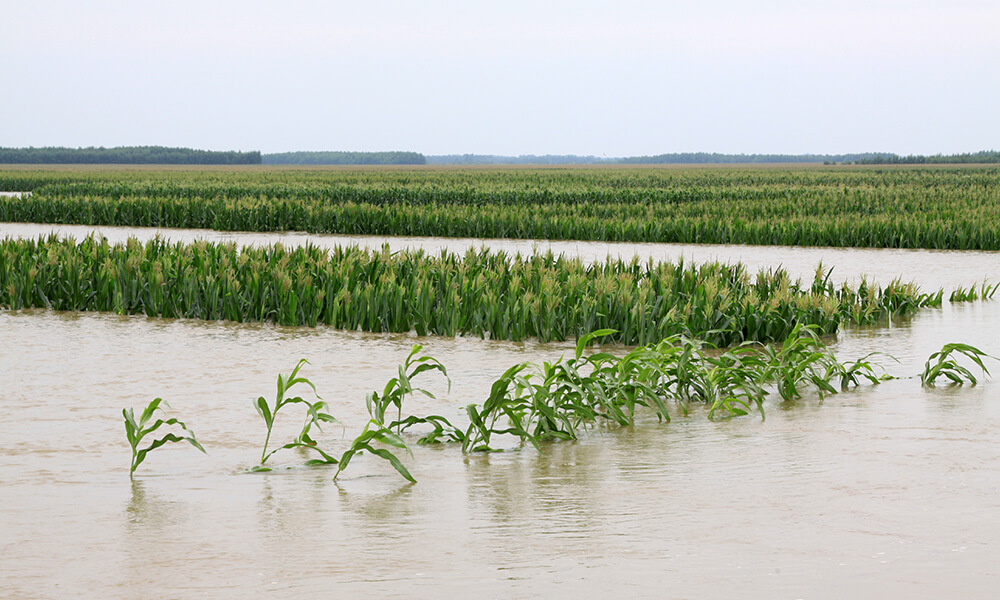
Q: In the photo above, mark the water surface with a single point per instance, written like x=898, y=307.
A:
x=891, y=491
x=885, y=492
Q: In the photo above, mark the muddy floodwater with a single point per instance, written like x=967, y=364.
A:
x=891, y=491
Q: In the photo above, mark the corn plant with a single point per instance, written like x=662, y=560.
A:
x=735, y=382
x=801, y=358
x=363, y=443
x=985, y=291
x=480, y=293
x=681, y=363
x=730, y=392
x=502, y=412
x=135, y=431
x=853, y=373
x=941, y=364
x=555, y=401
x=379, y=431
x=398, y=388
x=866, y=207
x=315, y=414
x=613, y=387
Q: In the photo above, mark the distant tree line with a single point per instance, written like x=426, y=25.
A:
x=682, y=158
x=695, y=158
x=716, y=158
x=345, y=158
x=986, y=156
x=126, y=155
x=524, y=159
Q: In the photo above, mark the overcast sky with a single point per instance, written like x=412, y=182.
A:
x=612, y=78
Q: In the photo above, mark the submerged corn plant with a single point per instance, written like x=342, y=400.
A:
x=985, y=291
x=480, y=293
x=135, y=431
x=315, y=414
x=941, y=364
x=801, y=358
x=374, y=433
x=379, y=431
x=501, y=413
x=554, y=401
x=853, y=373
x=735, y=382
x=398, y=388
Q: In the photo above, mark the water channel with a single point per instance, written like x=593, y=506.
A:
x=886, y=491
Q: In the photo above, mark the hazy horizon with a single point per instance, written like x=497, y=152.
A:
x=587, y=78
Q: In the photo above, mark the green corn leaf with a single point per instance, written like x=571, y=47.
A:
x=264, y=411
x=394, y=461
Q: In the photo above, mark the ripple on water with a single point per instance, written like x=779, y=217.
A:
x=887, y=491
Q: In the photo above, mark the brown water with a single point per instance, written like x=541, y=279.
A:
x=932, y=268
x=887, y=492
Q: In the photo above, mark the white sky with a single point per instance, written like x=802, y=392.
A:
x=614, y=78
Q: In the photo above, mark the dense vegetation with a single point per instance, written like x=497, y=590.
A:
x=127, y=155
x=344, y=158
x=554, y=401
x=933, y=207
x=522, y=159
x=984, y=157
x=677, y=158
x=717, y=158
x=480, y=293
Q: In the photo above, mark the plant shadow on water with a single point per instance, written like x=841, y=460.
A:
x=560, y=489
x=147, y=511
x=285, y=504
x=151, y=523
x=384, y=507
x=945, y=399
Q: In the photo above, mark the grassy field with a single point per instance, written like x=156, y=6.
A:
x=899, y=207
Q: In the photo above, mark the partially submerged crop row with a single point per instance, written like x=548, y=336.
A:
x=531, y=404
x=897, y=208
x=481, y=293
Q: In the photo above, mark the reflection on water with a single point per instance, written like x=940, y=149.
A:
x=886, y=491
x=147, y=511
x=932, y=269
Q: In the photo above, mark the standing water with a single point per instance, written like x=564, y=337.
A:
x=886, y=491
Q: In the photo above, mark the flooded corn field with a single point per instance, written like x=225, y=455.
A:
x=884, y=491
x=931, y=268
